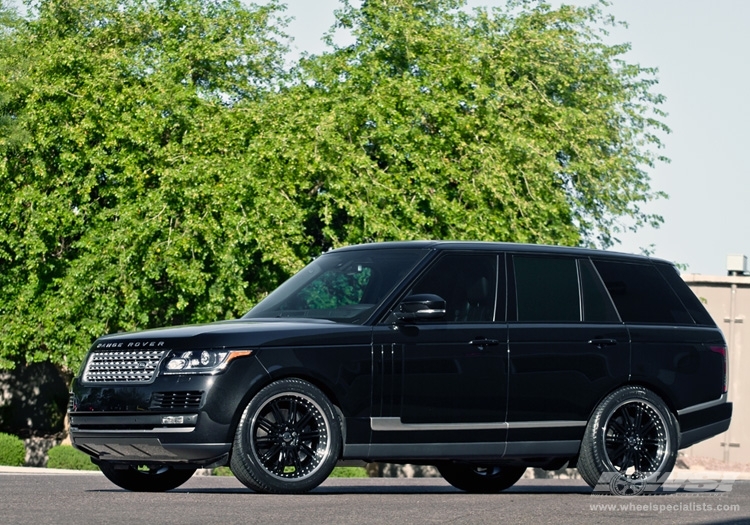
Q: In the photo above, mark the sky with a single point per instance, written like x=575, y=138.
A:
x=702, y=52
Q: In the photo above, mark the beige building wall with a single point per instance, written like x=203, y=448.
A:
x=727, y=299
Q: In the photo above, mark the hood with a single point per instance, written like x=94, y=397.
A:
x=226, y=334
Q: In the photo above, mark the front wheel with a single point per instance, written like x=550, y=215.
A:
x=288, y=439
x=630, y=443
x=480, y=479
x=146, y=479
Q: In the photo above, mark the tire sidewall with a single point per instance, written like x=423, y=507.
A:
x=256, y=476
x=596, y=467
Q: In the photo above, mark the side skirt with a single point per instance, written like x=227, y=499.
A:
x=462, y=451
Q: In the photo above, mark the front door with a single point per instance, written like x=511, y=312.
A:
x=448, y=374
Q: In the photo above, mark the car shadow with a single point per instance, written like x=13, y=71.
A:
x=377, y=486
x=408, y=486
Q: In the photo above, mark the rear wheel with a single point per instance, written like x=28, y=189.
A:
x=288, y=439
x=630, y=443
x=146, y=479
x=480, y=479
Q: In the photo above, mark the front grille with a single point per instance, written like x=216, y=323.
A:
x=176, y=400
x=127, y=366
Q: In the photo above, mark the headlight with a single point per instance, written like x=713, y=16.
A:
x=201, y=361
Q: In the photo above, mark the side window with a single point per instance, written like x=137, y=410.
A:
x=641, y=294
x=597, y=306
x=468, y=283
x=692, y=303
x=547, y=288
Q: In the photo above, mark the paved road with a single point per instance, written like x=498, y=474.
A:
x=39, y=499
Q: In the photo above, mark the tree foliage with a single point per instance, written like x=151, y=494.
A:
x=159, y=166
x=121, y=210
x=516, y=125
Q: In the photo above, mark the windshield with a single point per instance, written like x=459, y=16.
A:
x=342, y=286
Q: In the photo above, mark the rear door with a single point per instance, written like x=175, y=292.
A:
x=568, y=348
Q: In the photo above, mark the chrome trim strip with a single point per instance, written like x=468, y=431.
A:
x=394, y=424
x=90, y=432
x=701, y=406
x=546, y=424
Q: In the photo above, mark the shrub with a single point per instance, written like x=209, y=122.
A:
x=65, y=456
x=12, y=450
x=222, y=471
x=349, y=472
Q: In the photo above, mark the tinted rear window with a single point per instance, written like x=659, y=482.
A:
x=641, y=294
x=547, y=289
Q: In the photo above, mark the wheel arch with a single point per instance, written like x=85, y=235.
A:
x=668, y=401
x=655, y=388
x=281, y=374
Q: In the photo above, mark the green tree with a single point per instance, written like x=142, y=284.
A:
x=120, y=209
x=10, y=133
x=519, y=124
x=164, y=168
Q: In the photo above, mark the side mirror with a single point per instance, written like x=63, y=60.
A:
x=421, y=306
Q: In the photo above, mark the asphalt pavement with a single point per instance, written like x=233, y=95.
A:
x=681, y=474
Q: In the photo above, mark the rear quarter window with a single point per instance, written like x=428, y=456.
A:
x=686, y=295
x=641, y=294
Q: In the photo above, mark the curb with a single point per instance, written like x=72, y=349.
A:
x=695, y=475
x=41, y=471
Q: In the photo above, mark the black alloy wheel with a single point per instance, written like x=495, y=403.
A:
x=630, y=445
x=288, y=440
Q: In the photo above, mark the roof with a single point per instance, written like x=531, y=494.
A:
x=500, y=246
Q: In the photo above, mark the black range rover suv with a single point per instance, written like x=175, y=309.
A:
x=482, y=359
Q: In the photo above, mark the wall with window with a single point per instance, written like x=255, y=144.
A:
x=727, y=299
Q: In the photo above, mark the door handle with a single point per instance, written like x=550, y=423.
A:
x=602, y=342
x=481, y=343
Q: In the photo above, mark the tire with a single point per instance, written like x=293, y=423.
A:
x=478, y=479
x=288, y=439
x=630, y=444
x=151, y=479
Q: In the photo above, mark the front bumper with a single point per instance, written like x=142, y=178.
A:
x=145, y=439
x=151, y=450
x=188, y=420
